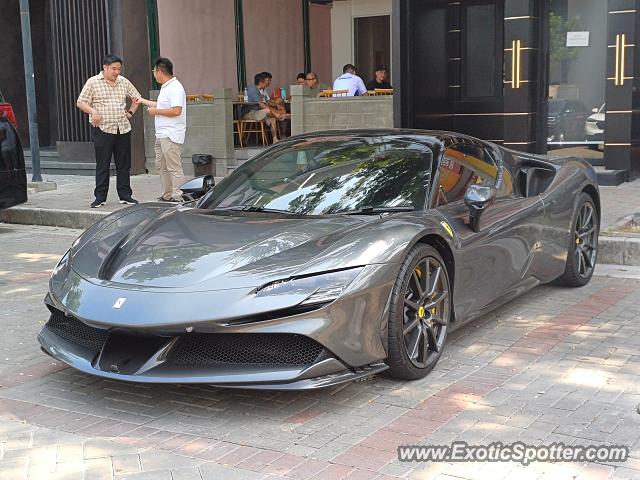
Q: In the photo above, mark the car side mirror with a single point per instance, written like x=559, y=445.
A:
x=477, y=198
x=197, y=187
x=594, y=110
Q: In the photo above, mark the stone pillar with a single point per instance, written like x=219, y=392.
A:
x=297, y=109
x=209, y=131
x=223, y=151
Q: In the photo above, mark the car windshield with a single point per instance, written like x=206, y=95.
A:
x=1, y=97
x=329, y=175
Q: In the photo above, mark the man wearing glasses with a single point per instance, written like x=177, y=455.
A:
x=313, y=87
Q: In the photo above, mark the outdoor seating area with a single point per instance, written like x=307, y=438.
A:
x=216, y=125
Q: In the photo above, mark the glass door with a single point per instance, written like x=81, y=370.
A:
x=577, y=78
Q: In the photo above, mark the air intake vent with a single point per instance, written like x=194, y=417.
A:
x=247, y=349
x=75, y=331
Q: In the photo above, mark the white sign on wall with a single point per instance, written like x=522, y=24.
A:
x=577, y=39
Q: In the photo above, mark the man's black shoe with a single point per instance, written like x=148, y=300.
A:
x=129, y=201
x=97, y=203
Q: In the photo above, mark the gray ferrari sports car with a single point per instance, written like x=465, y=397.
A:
x=326, y=258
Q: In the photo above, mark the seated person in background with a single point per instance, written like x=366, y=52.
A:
x=257, y=108
x=313, y=87
x=350, y=81
x=275, y=102
x=263, y=91
x=300, y=79
x=380, y=80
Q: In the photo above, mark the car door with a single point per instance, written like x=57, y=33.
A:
x=13, y=176
x=492, y=263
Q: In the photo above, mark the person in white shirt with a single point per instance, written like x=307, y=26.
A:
x=170, y=112
x=350, y=81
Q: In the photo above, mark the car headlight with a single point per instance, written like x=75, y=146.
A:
x=62, y=264
x=321, y=288
x=60, y=272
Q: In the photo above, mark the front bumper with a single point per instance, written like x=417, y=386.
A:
x=336, y=343
x=322, y=373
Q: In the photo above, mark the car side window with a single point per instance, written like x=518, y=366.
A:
x=461, y=166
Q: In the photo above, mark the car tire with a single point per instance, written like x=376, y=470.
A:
x=583, y=248
x=419, y=314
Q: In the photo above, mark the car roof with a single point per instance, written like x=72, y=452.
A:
x=432, y=138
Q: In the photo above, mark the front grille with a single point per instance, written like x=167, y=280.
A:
x=551, y=121
x=284, y=349
x=600, y=125
x=75, y=331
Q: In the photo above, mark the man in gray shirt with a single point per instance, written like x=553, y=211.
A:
x=313, y=87
x=256, y=109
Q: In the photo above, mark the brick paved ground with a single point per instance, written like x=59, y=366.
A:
x=556, y=365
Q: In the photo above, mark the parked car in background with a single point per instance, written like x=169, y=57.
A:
x=13, y=176
x=566, y=121
x=7, y=109
x=594, y=127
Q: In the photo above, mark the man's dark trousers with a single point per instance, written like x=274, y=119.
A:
x=117, y=145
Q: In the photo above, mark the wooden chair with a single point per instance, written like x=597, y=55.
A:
x=237, y=130
x=333, y=93
x=383, y=91
x=237, y=116
x=247, y=127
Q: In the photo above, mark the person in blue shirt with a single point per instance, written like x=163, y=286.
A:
x=256, y=109
x=350, y=81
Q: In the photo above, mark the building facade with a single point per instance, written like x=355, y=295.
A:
x=554, y=76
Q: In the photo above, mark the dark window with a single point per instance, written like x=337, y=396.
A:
x=482, y=51
x=430, y=63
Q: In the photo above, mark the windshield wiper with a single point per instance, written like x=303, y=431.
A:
x=369, y=210
x=252, y=208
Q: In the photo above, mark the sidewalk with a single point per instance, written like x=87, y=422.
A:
x=68, y=206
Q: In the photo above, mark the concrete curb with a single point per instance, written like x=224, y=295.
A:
x=51, y=217
x=619, y=250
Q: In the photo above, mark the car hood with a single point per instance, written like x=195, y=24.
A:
x=195, y=249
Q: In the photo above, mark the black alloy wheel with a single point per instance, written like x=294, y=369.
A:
x=419, y=315
x=583, y=249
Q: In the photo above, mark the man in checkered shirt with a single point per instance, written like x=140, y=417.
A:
x=104, y=98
